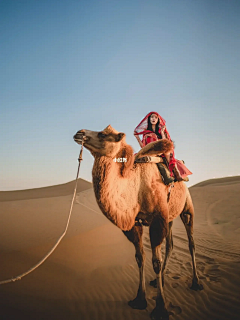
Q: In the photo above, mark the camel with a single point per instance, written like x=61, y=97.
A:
x=129, y=193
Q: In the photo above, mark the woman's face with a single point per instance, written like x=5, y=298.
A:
x=153, y=118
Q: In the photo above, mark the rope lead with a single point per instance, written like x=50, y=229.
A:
x=19, y=277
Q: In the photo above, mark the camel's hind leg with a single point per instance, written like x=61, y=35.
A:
x=168, y=252
x=135, y=236
x=187, y=219
x=158, y=231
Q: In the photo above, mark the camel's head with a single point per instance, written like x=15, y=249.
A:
x=103, y=143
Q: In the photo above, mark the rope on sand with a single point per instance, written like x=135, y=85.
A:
x=19, y=277
x=78, y=202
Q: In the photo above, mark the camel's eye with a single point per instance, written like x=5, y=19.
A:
x=101, y=135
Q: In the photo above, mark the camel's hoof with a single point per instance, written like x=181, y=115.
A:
x=138, y=304
x=159, y=314
x=196, y=286
x=153, y=283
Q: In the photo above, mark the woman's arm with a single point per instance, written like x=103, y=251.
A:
x=163, y=133
x=139, y=141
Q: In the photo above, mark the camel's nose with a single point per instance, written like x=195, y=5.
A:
x=79, y=136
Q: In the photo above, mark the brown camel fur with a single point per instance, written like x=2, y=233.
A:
x=127, y=191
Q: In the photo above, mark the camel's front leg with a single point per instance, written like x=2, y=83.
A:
x=169, y=247
x=158, y=231
x=135, y=236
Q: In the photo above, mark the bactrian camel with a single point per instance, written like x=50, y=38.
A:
x=127, y=191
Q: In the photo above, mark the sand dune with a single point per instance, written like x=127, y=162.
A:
x=93, y=273
x=46, y=192
x=218, y=181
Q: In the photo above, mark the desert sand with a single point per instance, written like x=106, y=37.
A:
x=93, y=272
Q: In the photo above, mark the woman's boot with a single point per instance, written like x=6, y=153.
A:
x=166, y=178
x=178, y=176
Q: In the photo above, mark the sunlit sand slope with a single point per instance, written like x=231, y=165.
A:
x=93, y=273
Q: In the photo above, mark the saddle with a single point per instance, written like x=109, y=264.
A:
x=162, y=167
x=151, y=153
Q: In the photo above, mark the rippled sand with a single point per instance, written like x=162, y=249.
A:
x=93, y=273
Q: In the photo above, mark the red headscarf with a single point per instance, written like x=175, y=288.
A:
x=150, y=136
x=141, y=128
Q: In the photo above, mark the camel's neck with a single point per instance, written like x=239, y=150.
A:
x=106, y=177
x=103, y=173
x=112, y=192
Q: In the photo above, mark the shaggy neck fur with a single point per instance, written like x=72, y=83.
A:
x=112, y=183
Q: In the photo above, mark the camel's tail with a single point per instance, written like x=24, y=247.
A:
x=156, y=148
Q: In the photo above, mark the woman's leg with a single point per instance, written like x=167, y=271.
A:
x=167, y=156
x=176, y=172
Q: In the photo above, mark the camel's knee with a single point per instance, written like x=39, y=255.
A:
x=157, y=265
x=158, y=231
x=187, y=218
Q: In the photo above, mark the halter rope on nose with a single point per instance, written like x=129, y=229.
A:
x=59, y=240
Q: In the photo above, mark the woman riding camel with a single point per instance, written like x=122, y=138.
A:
x=153, y=128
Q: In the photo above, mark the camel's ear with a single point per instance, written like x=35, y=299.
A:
x=120, y=136
x=126, y=154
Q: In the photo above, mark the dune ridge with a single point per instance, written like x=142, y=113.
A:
x=218, y=181
x=45, y=192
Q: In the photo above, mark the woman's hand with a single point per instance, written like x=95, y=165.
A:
x=163, y=133
x=163, y=128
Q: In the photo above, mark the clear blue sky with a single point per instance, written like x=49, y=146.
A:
x=69, y=65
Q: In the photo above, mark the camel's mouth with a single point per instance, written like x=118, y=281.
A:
x=79, y=137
